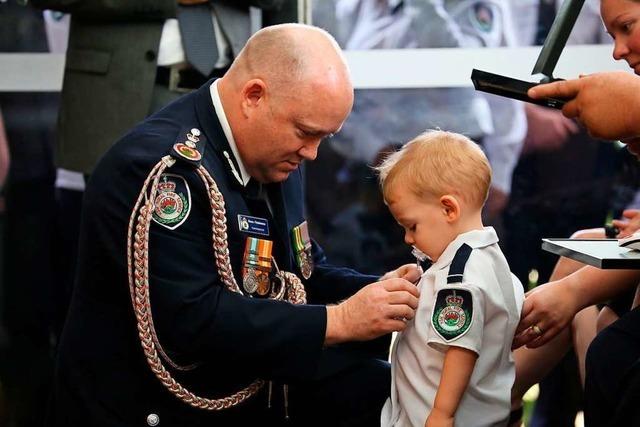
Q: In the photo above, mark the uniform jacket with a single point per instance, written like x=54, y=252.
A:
x=111, y=67
x=102, y=377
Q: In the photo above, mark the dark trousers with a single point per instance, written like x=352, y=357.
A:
x=612, y=386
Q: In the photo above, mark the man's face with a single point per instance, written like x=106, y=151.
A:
x=285, y=129
x=424, y=222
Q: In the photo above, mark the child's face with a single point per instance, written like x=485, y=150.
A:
x=424, y=221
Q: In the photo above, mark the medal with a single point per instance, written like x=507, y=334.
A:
x=250, y=280
x=256, y=266
x=301, y=243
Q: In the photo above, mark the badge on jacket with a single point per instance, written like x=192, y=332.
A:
x=256, y=266
x=173, y=201
x=301, y=243
x=452, y=313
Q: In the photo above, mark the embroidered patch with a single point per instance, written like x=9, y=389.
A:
x=173, y=201
x=253, y=224
x=452, y=313
x=482, y=17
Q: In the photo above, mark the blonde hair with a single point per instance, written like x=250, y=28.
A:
x=436, y=163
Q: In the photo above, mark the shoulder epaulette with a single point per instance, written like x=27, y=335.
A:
x=456, y=270
x=189, y=146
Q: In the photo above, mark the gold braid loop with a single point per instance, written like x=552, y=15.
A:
x=291, y=288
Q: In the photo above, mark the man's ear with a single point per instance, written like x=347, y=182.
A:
x=253, y=95
x=450, y=207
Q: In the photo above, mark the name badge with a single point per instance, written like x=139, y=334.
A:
x=254, y=225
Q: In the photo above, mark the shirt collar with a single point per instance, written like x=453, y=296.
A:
x=474, y=238
x=226, y=128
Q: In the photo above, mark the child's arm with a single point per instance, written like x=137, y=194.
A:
x=456, y=372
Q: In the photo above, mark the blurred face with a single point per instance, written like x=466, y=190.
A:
x=622, y=20
x=424, y=222
x=283, y=129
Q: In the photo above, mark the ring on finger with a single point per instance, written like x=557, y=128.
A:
x=536, y=330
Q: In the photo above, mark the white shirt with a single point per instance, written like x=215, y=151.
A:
x=418, y=353
x=242, y=177
x=171, y=52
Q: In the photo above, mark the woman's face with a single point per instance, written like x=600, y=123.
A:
x=622, y=20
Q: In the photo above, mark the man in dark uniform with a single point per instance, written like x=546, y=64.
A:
x=195, y=339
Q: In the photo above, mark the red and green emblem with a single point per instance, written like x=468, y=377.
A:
x=452, y=313
x=172, y=202
x=187, y=152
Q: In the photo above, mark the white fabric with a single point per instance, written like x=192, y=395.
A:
x=417, y=355
x=171, y=51
x=56, y=25
x=226, y=128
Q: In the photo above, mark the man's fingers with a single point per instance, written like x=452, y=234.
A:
x=571, y=109
x=400, y=312
x=403, y=298
x=396, y=325
x=393, y=285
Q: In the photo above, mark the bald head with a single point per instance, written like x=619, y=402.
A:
x=287, y=90
x=288, y=55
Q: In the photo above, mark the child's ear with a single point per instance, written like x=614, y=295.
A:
x=450, y=207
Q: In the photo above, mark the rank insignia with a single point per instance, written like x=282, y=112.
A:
x=452, y=313
x=301, y=243
x=173, y=201
x=186, y=152
x=256, y=266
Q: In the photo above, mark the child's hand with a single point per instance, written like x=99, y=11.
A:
x=629, y=226
x=438, y=418
x=409, y=272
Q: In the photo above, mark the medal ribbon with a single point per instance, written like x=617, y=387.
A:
x=301, y=241
x=257, y=254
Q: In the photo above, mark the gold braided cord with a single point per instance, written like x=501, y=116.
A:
x=291, y=288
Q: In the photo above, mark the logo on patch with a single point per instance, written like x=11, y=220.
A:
x=453, y=313
x=173, y=202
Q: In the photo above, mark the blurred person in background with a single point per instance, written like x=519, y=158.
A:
x=382, y=118
x=27, y=285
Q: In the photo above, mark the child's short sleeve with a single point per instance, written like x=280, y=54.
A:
x=457, y=318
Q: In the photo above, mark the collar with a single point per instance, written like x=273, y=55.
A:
x=474, y=238
x=226, y=128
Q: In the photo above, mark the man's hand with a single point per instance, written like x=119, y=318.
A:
x=547, y=310
x=629, y=225
x=409, y=272
x=438, y=418
x=608, y=104
x=375, y=310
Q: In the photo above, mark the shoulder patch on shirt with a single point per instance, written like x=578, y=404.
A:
x=173, y=201
x=452, y=313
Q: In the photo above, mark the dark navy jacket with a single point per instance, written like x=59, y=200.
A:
x=102, y=377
